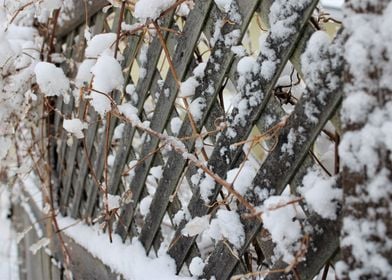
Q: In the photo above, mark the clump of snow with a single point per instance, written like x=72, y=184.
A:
x=143, y=61
x=227, y=225
x=358, y=149
x=198, y=72
x=151, y=9
x=291, y=139
x=130, y=89
x=130, y=112
x=267, y=69
x=239, y=51
x=187, y=88
x=321, y=194
x=180, y=216
x=107, y=77
x=196, y=226
x=207, y=184
x=242, y=177
x=84, y=72
x=175, y=125
x=51, y=79
x=144, y=205
x=107, y=74
x=118, y=131
x=183, y=10
x=99, y=44
x=223, y=5
x=113, y=201
x=283, y=225
x=357, y=107
x=247, y=65
x=283, y=13
x=75, y=126
x=196, y=266
x=196, y=108
x=156, y=171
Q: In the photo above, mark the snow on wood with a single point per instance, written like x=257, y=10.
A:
x=75, y=126
x=151, y=9
x=129, y=260
x=51, y=79
x=321, y=194
x=365, y=148
x=159, y=195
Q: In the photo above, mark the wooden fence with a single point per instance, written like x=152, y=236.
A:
x=81, y=163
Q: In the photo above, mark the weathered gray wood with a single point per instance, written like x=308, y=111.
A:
x=85, y=266
x=71, y=156
x=92, y=189
x=55, y=272
x=79, y=187
x=62, y=147
x=99, y=164
x=223, y=56
x=77, y=55
x=75, y=148
x=74, y=14
x=90, y=135
x=258, y=87
x=323, y=246
x=64, y=108
x=274, y=176
x=192, y=29
x=76, y=182
x=142, y=90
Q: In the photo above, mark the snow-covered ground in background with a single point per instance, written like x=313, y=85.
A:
x=8, y=252
x=332, y=3
x=333, y=7
x=129, y=259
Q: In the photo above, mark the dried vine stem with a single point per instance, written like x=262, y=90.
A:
x=180, y=148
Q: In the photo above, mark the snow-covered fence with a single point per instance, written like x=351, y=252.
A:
x=160, y=157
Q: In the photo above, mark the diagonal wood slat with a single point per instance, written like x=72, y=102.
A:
x=223, y=56
x=211, y=34
x=270, y=177
x=261, y=88
x=187, y=41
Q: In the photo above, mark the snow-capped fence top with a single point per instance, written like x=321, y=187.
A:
x=159, y=156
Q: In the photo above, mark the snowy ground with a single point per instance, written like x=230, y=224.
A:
x=8, y=252
x=332, y=3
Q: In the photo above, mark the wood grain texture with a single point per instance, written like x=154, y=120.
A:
x=74, y=14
